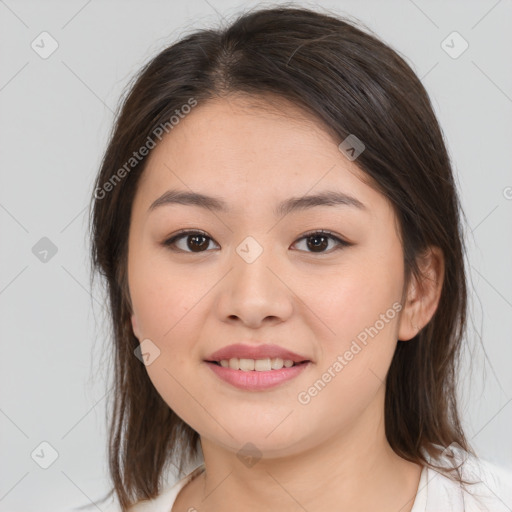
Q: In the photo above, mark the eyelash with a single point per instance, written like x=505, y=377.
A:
x=184, y=233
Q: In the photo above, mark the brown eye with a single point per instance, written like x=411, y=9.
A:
x=318, y=241
x=195, y=242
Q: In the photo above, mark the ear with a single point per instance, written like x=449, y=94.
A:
x=135, y=327
x=422, y=295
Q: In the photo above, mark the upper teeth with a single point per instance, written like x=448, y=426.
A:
x=260, y=365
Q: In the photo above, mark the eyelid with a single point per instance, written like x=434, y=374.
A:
x=324, y=232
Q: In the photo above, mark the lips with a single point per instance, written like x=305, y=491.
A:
x=256, y=380
x=241, y=351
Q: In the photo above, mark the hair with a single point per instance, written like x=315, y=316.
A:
x=352, y=83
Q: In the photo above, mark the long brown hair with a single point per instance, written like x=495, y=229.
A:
x=352, y=83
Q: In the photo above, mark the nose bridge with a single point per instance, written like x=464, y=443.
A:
x=250, y=249
x=253, y=255
x=254, y=291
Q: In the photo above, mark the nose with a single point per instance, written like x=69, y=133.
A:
x=255, y=290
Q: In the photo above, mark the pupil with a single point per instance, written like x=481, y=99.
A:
x=194, y=245
x=317, y=245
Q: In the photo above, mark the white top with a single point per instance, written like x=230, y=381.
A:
x=436, y=492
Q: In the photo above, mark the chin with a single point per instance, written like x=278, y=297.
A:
x=257, y=442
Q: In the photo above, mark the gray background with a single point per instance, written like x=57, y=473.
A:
x=55, y=117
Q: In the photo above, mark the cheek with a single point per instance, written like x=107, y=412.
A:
x=357, y=296
x=163, y=303
x=355, y=361
x=361, y=308
x=162, y=297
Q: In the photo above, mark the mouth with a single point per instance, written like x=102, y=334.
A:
x=257, y=365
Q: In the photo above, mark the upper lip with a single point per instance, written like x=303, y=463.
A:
x=262, y=351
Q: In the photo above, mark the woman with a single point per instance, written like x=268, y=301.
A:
x=279, y=230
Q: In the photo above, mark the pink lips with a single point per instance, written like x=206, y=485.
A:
x=254, y=380
x=257, y=381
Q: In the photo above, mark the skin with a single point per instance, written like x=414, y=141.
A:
x=328, y=454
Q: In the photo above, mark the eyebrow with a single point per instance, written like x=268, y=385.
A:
x=293, y=204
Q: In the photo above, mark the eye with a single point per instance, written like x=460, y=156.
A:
x=198, y=241
x=319, y=240
x=195, y=240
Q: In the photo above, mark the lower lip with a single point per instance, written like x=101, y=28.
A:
x=257, y=381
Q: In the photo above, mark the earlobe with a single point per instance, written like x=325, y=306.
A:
x=135, y=326
x=408, y=325
x=423, y=294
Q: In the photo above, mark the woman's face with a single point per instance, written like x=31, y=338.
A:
x=254, y=279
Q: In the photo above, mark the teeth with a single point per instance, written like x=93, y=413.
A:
x=245, y=364
x=259, y=365
x=277, y=363
x=263, y=365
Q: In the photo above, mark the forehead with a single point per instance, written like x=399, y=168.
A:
x=251, y=149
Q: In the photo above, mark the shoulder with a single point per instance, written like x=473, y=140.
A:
x=162, y=503
x=165, y=500
x=489, y=488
